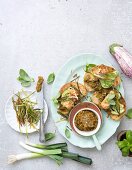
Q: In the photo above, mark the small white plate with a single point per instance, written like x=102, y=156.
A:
x=11, y=118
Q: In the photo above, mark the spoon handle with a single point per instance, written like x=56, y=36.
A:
x=97, y=144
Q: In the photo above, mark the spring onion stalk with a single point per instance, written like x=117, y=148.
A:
x=40, y=151
x=84, y=160
x=52, y=146
x=70, y=155
x=56, y=154
x=57, y=158
x=77, y=157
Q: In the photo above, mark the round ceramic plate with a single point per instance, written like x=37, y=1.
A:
x=11, y=118
x=74, y=66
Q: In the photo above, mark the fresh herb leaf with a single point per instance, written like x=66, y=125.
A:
x=24, y=75
x=125, y=151
x=112, y=102
x=24, y=78
x=122, y=144
x=55, y=99
x=110, y=96
x=110, y=76
x=67, y=133
x=49, y=136
x=129, y=136
x=26, y=84
x=51, y=78
x=118, y=87
x=106, y=83
x=89, y=67
x=129, y=113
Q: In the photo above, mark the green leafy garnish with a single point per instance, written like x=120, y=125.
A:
x=89, y=67
x=109, y=76
x=129, y=113
x=55, y=99
x=112, y=102
x=106, y=83
x=24, y=78
x=67, y=133
x=51, y=78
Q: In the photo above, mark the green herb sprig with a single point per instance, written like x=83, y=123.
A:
x=126, y=145
x=24, y=78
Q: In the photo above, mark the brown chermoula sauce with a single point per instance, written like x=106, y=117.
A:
x=86, y=120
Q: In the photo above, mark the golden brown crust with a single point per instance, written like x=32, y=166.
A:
x=74, y=84
x=102, y=69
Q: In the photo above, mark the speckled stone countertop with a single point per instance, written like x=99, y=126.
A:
x=39, y=36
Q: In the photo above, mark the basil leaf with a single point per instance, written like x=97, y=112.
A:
x=67, y=133
x=110, y=96
x=122, y=144
x=51, y=78
x=49, y=136
x=129, y=113
x=106, y=83
x=110, y=76
x=129, y=136
x=89, y=67
x=131, y=149
x=112, y=102
x=55, y=101
x=125, y=151
x=26, y=84
x=24, y=78
x=20, y=79
x=24, y=75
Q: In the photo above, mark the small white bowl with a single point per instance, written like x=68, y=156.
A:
x=87, y=133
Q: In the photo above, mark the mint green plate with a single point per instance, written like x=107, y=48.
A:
x=65, y=74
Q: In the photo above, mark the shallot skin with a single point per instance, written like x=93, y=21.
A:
x=123, y=57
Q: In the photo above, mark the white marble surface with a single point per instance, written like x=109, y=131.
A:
x=39, y=36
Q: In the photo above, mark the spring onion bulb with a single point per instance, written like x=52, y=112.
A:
x=41, y=151
x=14, y=158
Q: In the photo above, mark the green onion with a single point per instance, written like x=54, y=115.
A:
x=77, y=158
x=56, y=154
x=14, y=158
x=40, y=151
x=52, y=146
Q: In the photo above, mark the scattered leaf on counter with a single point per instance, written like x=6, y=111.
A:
x=49, y=136
x=67, y=133
x=24, y=78
x=129, y=113
x=51, y=78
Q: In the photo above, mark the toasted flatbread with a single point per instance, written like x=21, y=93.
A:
x=78, y=86
x=67, y=105
x=102, y=69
